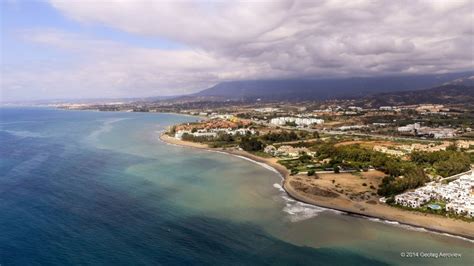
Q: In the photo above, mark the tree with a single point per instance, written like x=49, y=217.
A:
x=316, y=134
x=336, y=169
x=455, y=164
x=173, y=130
x=251, y=144
x=446, y=163
x=311, y=172
x=225, y=137
x=290, y=124
x=390, y=200
x=304, y=158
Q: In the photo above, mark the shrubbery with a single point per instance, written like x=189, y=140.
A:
x=446, y=163
x=251, y=144
x=280, y=136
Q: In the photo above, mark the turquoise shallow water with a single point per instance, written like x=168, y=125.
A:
x=100, y=188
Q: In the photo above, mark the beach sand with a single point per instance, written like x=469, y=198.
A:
x=343, y=203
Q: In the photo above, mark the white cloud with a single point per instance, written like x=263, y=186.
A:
x=111, y=69
x=244, y=40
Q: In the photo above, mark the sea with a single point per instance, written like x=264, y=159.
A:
x=100, y=188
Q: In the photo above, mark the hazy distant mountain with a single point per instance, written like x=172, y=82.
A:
x=86, y=100
x=466, y=81
x=446, y=94
x=323, y=89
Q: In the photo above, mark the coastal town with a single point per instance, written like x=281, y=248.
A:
x=197, y=132
x=412, y=161
x=296, y=142
x=422, y=121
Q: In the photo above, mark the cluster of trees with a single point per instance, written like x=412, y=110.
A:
x=284, y=136
x=446, y=163
x=358, y=157
x=251, y=144
x=413, y=177
x=189, y=137
x=224, y=137
x=280, y=136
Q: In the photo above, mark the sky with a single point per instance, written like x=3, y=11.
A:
x=122, y=48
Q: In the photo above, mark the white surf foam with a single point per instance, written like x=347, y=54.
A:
x=298, y=211
x=279, y=187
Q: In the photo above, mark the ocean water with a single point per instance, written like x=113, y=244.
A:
x=100, y=188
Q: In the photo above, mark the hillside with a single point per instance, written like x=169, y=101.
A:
x=446, y=94
x=323, y=89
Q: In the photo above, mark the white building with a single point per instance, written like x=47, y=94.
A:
x=266, y=110
x=270, y=149
x=300, y=121
x=412, y=199
x=409, y=128
x=355, y=108
x=344, y=128
x=214, y=132
x=223, y=116
x=458, y=194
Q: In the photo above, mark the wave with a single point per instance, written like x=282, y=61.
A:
x=296, y=210
x=24, y=133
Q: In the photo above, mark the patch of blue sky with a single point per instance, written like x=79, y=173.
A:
x=18, y=16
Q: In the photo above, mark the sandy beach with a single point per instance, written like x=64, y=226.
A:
x=369, y=209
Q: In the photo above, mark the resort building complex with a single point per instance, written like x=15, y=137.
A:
x=458, y=194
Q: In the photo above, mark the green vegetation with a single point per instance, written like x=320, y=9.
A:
x=280, y=136
x=251, y=144
x=296, y=164
x=291, y=124
x=354, y=157
x=413, y=177
x=445, y=163
x=401, y=174
x=189, y=137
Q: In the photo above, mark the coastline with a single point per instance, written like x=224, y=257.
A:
x=272, y=162
x=430, y=222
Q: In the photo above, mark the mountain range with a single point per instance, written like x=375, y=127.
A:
x=325, y=89
x=446, y=94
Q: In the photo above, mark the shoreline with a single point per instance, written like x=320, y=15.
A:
x=385, y=213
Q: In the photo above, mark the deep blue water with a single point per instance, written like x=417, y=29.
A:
x=63, y=202
x=96, y=188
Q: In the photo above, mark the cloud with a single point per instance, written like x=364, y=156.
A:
x=112, y=69
x=268, y=39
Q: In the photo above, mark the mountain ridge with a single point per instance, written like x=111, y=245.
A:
x=324, y=89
